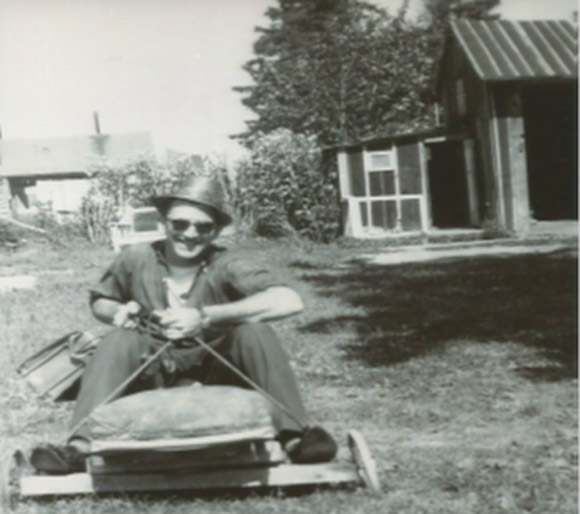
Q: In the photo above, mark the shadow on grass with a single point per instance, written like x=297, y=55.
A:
x=414, y=308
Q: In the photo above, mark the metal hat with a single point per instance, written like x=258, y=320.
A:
x=202, y=191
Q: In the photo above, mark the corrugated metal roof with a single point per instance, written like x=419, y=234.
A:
x=514, y=50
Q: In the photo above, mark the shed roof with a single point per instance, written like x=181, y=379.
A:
x=502, y=50
x=67, y=155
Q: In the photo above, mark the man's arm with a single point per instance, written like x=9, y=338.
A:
x=114, y=312
x=271, y=304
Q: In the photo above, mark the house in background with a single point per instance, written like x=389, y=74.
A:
x=507, y=150
x=55, y=172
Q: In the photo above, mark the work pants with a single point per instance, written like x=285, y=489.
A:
x=253, y=348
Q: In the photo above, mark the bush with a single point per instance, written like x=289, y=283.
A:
x=8, y=234
x=281, y=189
x=60, y=230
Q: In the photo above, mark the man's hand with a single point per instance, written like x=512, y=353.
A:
x=180, y=323
x=125, y=315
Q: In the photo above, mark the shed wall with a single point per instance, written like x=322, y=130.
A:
x=409, y=159
x=356, y=173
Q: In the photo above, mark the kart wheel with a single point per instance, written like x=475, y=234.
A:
x=10, y=481
x=366, y=465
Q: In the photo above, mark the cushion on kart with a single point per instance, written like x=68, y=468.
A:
x=180, y=412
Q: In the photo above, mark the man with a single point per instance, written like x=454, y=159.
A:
x=194, y=288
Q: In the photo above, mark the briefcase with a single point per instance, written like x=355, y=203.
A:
x=54, y=372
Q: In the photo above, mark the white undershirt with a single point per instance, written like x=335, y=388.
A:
x=178, y=284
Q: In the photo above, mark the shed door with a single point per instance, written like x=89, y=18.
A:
x=551, y=126
x=448, y=185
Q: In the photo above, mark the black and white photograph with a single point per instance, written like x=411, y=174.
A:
x=291, y=256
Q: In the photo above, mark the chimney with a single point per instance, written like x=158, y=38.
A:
x=97, y=123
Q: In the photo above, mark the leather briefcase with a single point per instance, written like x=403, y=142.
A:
x=55, y=370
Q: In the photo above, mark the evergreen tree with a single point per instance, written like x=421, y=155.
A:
x=339, y=69
x=345, y=70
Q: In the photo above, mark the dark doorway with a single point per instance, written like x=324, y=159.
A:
x=551, y=127
x=448, y=185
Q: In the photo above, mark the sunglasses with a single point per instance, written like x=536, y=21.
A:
x=203, y=228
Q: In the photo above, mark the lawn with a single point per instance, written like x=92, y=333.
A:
x=461, y=374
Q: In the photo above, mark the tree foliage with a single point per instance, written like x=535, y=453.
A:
x=440, y=12
x=340, y=69
x=346, y=70
x=280, y=190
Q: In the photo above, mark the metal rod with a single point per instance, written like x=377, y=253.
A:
x=121, y=387
x=248, y=380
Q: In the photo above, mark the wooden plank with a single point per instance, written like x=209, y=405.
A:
x=469, y=154
x=519, y=176
x=285, y=475
x=231, y=455
x=426, y=209
x=497, y=161
x=191, y=443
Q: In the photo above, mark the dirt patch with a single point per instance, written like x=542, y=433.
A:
x=431, y=254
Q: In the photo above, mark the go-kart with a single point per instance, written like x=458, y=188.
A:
x=227, y=461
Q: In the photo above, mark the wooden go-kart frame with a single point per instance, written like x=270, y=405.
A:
x=20, y=481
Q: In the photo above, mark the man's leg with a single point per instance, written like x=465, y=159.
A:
x=254, y=348
x=117, y=356
x=256, y=351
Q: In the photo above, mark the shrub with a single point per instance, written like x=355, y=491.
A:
x=281, y=189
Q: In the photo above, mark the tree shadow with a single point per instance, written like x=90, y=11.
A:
x=412, y=309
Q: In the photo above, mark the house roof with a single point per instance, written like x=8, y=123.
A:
x=67, y=155
x=504, y=50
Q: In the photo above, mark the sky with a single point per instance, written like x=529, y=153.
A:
x=166, y=67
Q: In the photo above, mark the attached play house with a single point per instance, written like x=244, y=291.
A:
x=505, y=152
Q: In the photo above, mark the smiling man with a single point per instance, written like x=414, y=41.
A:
x=194, y=288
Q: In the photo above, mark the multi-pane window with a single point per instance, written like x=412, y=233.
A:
x=381, y=212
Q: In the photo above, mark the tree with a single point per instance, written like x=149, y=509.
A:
x=440, y=12
x=340, y=69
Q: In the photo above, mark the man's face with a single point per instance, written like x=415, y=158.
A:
x=190, y=230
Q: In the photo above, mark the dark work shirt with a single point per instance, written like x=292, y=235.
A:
x=138, y=274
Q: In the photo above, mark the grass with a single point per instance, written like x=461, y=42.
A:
x=461, y=374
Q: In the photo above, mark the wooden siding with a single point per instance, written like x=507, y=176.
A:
x=409, y=159
x=411, y=214
x=511, y=140
x=356, y=173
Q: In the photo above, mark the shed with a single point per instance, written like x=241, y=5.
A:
x=506, y=152
x=515, y=84
x=56, y=170
x=390, y=185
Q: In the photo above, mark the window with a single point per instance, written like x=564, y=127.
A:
x=380, y=160
x=381, y=173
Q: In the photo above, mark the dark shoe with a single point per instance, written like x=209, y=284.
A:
x=57, y=460
x=315, y=445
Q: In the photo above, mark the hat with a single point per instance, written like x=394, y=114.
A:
x=202, y=191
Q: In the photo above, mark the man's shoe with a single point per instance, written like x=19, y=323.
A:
x=57, y=460
x=315, y=445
